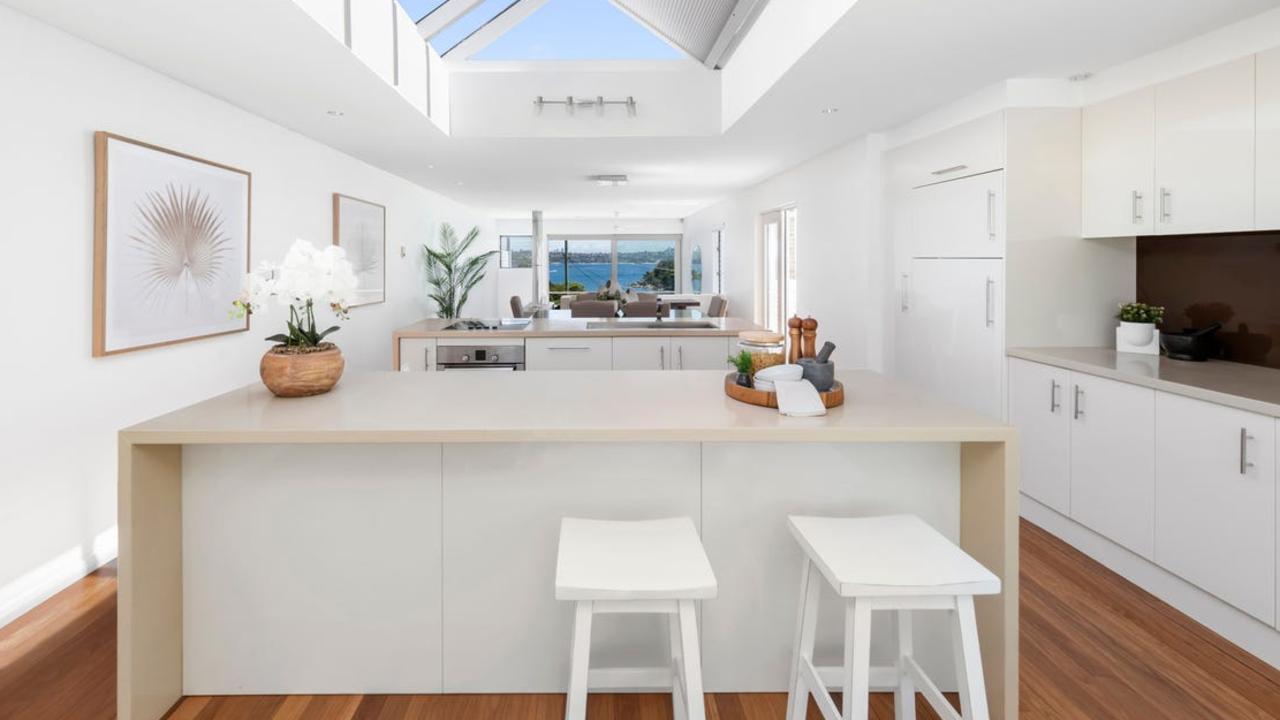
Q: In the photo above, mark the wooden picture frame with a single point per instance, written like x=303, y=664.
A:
x=167, y=266
x=368, y=259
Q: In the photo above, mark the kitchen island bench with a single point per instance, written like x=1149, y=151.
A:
x=398, y=534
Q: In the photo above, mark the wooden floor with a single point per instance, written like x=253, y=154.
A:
x=1093, y=646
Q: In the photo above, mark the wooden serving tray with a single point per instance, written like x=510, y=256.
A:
x=831, y=398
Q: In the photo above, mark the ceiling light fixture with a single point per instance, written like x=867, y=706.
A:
x=610, y=180
x=830, y=110
x=334, y=113
x=572, y=104
x=1080, y=77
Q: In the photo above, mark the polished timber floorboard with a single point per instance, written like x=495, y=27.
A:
x=1093, y=646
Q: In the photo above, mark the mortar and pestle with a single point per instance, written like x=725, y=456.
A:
x=819, y=369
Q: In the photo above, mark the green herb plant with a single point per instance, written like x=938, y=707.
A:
x=741, y=361
x=1141, y=313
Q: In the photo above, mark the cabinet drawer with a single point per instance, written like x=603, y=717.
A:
x=1216, y=500
x=570, y=353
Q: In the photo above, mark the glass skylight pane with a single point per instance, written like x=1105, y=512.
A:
x=418, y=9
x=579, y=30
x=469, y=23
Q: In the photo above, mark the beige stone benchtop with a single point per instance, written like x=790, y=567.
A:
x=635, y=406
x=1246, y=387
x=577, y=327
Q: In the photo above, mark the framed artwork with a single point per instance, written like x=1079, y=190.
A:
x=360, y=228
x=170, y=246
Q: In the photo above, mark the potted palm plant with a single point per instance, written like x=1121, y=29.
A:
x=302, y=362
x=451, y=275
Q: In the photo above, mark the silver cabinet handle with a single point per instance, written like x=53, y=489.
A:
x=991, y=214
x=991, y=302
x=1137, y=207
x=581, y=349
x=679, y=357
x=1245, y=437
x=1077, y=411
x=949, y=170
x=906, y=293
x=662, y=358
x=1054, y=403
x=1166, y=205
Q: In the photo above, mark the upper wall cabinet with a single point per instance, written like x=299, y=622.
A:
x=1205, y=151
x=1119, y=165
x=1176, y=158
x=1268, y=175
x=969, y=149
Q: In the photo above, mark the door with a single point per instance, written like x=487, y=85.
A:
x=700, y=353
x=958, y=329
x=1268, y=153
x=417, y=354
x=1038, y=408
x=1113, y=460
x=778, y=268
x=642, y=353
x=960, y=218
x=1216, y=501
x=1205, y=150
x=1119, y=139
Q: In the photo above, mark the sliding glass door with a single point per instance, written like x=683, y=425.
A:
x=778, y=268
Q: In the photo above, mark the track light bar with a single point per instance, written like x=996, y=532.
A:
x=572, y=104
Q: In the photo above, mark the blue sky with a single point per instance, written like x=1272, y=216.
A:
x=559, y=30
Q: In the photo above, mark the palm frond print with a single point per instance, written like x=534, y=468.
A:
x=182, y=241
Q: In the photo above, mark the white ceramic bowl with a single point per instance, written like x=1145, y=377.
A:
x=779, y=372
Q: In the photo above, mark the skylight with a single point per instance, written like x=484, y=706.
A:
x=476, y=18
x=418, y=9
x=574, y=30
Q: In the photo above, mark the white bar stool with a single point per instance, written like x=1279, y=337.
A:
x=651, y=566
x=898, y=563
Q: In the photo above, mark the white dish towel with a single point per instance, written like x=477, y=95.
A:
x=798, y=398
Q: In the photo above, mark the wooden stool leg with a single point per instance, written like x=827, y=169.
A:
x=973, y=689
x=575, y=706
x=857, y=660
x=806, y=627
x=678, y=701
x=691, y=657
x=904, y=697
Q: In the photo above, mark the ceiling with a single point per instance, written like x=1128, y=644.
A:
x=884, y=62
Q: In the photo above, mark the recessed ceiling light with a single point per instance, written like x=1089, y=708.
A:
x=334, y=113
x=610, y=180
x=830, y=110
x=1080, y=77
x=459, y=183
x=431, y=167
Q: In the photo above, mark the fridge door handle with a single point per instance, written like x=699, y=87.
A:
x=991, y=302
x=991, y=215
x=906, y=292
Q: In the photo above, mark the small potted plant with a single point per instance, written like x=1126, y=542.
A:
x=301, y=362
x=1138, y=322
x=742, y=361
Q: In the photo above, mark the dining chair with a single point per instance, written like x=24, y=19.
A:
x=594, y=308
x=517, y=307
x=718, y=307
x=640, y=308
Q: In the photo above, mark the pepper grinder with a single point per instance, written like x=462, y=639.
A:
x=809, y=328
x=793, y=330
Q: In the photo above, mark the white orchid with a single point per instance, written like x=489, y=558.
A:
x=307, y=277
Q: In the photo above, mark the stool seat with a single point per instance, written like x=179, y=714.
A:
x=890, y=555
x=632, y=560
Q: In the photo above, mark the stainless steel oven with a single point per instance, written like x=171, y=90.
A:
x=480, y=357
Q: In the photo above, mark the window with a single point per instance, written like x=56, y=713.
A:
x=418, y=9
x=578, y=30
x=718, y=262
x=462, y=28
x=515, y=251
x=695, y=270
x=641, y=263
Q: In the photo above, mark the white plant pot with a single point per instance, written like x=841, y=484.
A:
x=1138, y=334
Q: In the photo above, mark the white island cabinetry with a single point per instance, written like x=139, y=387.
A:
x=568, y=353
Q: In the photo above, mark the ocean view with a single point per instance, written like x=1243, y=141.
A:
x=594, y=275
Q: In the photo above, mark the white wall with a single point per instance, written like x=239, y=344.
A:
x=836, y=197
x=62, y=408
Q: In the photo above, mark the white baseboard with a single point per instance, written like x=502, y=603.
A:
x=33, y=588
x=1246, y=631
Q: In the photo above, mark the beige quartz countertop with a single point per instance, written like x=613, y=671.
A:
x=615, y=406
x=1246, y=387
x=577, y=327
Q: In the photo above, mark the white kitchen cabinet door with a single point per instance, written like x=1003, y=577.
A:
x=700, y=353
x=642, y=353
x=958, y=312
x=1216, y=501
x=1267, y=205
x=960, y=218
x=909, y=359
x=1119, y=138
x=1038, y=409
x=975, y=147
x=568, y=353
x=1205, y=151
x=1113, y=460
x=417, y=354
